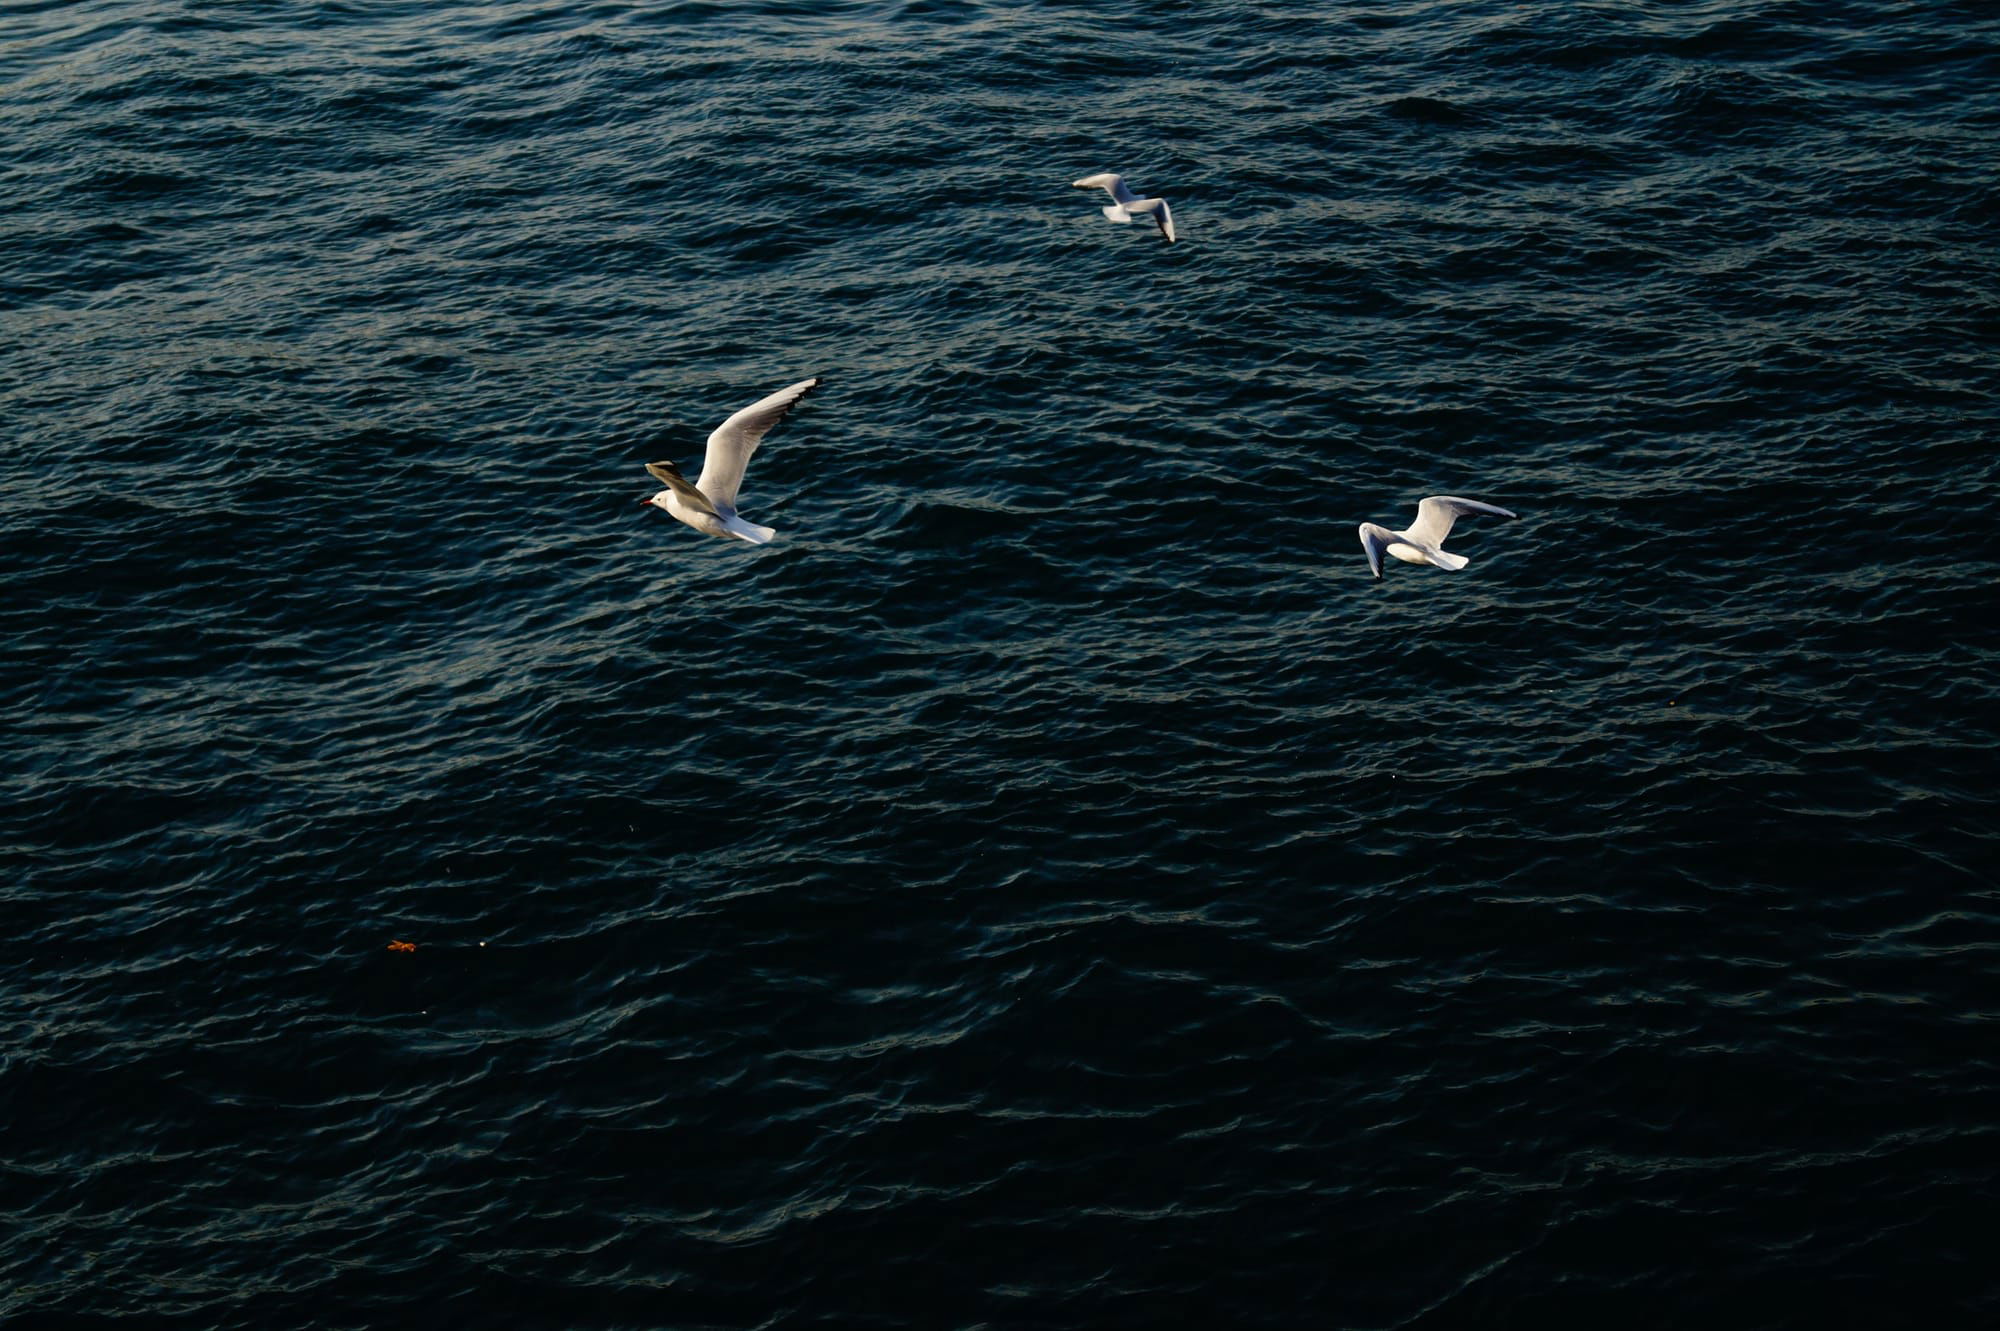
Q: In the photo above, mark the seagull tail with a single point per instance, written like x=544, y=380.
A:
x=1445, y=559
x=1116, y=213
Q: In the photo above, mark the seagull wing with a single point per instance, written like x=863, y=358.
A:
x=1436, y=514
x=1375, y=540
x=1161, y=214
x=1120, y=190
x=733, y=441
x=667, y=474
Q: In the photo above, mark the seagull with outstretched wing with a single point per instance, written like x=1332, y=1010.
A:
x=709, y=504
x=1423, y=540
x=1124, y=203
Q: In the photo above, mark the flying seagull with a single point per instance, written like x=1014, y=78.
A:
x=1125, y=202
x=709, y=505
x=1420, y=542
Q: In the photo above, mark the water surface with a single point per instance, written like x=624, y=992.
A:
x=1053, y=884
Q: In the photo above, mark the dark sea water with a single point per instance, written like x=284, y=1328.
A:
x=1053, y=884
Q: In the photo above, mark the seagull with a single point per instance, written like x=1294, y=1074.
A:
x=1126, y=202
x=709, y=505
x=1419, y=543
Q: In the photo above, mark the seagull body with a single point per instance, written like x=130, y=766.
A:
x=1125, y=202
x=709, y=504
x=1422, y=541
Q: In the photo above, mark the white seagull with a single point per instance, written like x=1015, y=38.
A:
x=709, y=505
x=1125, y=202
x=1419, y=542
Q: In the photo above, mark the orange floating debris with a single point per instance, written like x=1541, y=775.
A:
x=398, y=945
